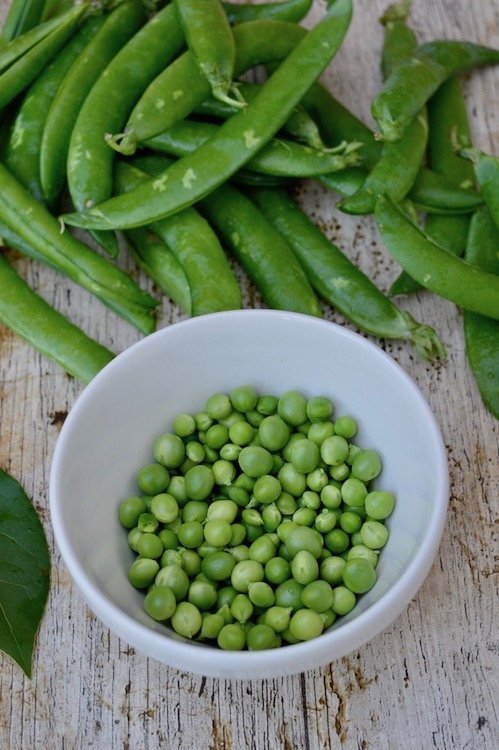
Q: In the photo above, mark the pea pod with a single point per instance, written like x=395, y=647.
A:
x=22, y=16
x=40, y=235
x=237, y=141
x=412, y=83
x=22, y=152
x=434, y=193
x=261, y=250
x=28, y=315
x=22, y=72
x=486, y=169
x=210, y=39
x=481, y=333
x=160, y=264
x=345, y=182
x=337, y=280
x=119, y=25
x=18, y=46
x=286, y=10
x=212, y=284
x=435, y=267
x=400, y=42
x=280, y=157
x=180, y=88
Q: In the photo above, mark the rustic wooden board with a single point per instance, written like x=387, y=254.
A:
x=430, y=679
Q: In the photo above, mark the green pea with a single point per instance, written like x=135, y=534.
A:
x=153, y=478
x=218, y=406
x=260, y=637
x=267, y=489
x=225, y=596
x=277, y=570
x=238, y=495
x=230, y=452
x=203, y=420
x=334, y=450
x=164, y=507
x=222, y=510
x=240, y=552
x=337, y=541
x=203, y=594
x=216, y=436
x=245, y=482
x=359, y=575
x=187, y=464
x=271, y=517
x=130, y=511
x=319, y=408
x=320, y=431
x=340, y=473
x=184, y=425
x=150, y=545
x=305, y=456
x=379, y=504
x=288, y=594
x=293, y=438
x=317, y=595
x=366, y=465
x=199, y=482
x=217, y=566
x=191, y=561
x=304, y=428
x=306, y=624
x=288, y=636
x=160, y=603
x=211, y=454
x=241, y=433
x=304, y=516
x=361, y=551
x=212, y=625
x=226, y=614
x=175, y=578
x=304, y=538
x=241, y=608
x=331, y=496
x=190, y=534
x=224, y=472
x=286, y=504
x=254, y=532
x=133, y=537
x=231, y=637
x=331, y=569
x=277, y=618
x=346, y=427
x=251, y=517
x=234, y=417
x=267, y=405
x=238, y=534
x=317, y=480
x=147, y=523
x=246, y=572
x=169, y=539
x=218, y=533
x=350, y=522
x=142, y=572
x=292, y=408
x=171, y=557
x=195, y=510
x=310, y=499
x=344, y=600
x=244, y=398
x=186, y=620
x=255, y=461
x=374, y=534
x=262, y=549
x=353, y=451
x=169, y=450
x=273, y=433
x=356, y=538
x=353, y=491
x=176, y=488
x=254, y=418
x=304, y=567
x=291, y=480
x=195, y=452
x=325, y=521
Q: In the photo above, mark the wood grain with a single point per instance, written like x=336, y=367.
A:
x=430, y=680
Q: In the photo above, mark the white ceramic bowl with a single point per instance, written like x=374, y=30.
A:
x=108, y=436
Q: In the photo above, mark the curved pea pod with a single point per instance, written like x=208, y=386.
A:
x=481, y=333
x=345, y=182
x=435, y=194
x=28, y=315
x=396, y=170
x=212, y=284
x=40, y=236
x=22, y=151
x=435, y=267
x=159, y=263
x=338, y=281
x=117, y=28
x=400, y=42
x=238, y=139
x=22, y=72
x=261, y=250
x=180, y=88
x=279, y=157
x=412, y=83
x=210, y=39
x=286, y=10
x=486, y=169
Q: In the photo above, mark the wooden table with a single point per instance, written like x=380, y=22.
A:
x=430, y=679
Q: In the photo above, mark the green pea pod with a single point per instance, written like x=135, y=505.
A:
x=280, y=158
x=18, y=46
x=434, y=193
x=337, y=280
x=180, y=88
x=345, y=182
x=28, y=315
x=286, y=10
x=395, y=172
x=261, y=250
x=22, y=72
x=435, y=267
x=236, y=142
x=486, y=169
x=160, y=264
x=400, y=42
x=119, y=25
x=412, y=83
x=210, y=39
x=22, y=151
x=481, y=333
x=22, y=16
x=41, y=237
x=212, y=284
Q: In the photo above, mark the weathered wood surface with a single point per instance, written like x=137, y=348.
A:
x=430, y=679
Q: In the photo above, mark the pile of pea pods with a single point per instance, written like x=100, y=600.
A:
x=191, y=165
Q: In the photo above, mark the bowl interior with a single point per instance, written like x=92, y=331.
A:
x=110, y=431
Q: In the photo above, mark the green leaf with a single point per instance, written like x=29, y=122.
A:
x=24, y=572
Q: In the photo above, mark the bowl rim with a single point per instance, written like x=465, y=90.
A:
x=198, y=658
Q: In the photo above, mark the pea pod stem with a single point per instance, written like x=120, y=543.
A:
x=238, y=140
x=338, y=281
x=433, y=266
